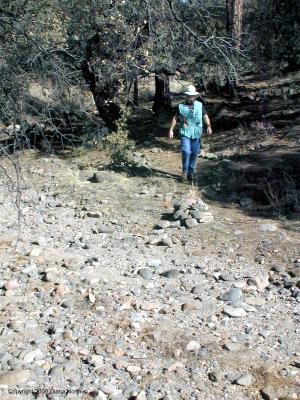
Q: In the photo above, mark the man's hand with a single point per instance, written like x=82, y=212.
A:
x=171, y=134
x=209, y=130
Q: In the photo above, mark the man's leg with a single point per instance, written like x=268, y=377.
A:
x=195, y=147
x=186, y=153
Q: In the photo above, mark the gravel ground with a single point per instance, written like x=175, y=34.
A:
x=105, y=295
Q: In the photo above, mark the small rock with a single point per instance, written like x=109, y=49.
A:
x=154, y=263
x=216, y=375
x=233, y=295
x=51, y=276
x=197, y=214
x=235, y=312
x=191, y=222
x=261, y=282
x=145, y=273
x=110, y=389
x=91, y=214
x=175, y=239
x=230, y=346
x=227, y=278
x=255, y=301
x=189, y=306
x=102, y=228
x=133, y=369
x=269, y=393
x=264, y=333
x=245, y=380
x=149, y=306
x=171, y=273
x=96, y=360
x=35, y=252
x=62, y=290
x=192, y=346
x=142, y=396
x=163, y=224
x=29, y=357
x=268, y=227
x=101, y=395
x=11, y=285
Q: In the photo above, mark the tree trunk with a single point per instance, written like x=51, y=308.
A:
x=162, y=98
x=136, y=92
x=234, y=20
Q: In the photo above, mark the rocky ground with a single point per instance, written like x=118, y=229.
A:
x=105, y=291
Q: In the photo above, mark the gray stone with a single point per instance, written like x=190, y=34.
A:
x=93, y=214
x=175, y=224
x=197, y=214
x=264, y=333
x=201, y=206
x=102, y=228
x=215, y=375
x=182, y=205
x=163, y=224
x=110, y=389
x=192, y=346
x=245, y=380
x=269, y=393
x=255, y=301
x=146, y=273
x=154, y=263
x=191, y=222
x=233, y=295
x=235, y=312
x=171, y=273
x=230, y=346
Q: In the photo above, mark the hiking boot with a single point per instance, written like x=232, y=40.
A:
x=192, y=176
x=184, y=176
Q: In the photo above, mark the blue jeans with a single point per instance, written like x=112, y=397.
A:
x=189, y=149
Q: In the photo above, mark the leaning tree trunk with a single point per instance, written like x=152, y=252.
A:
x=162, y=98
x=102, y=92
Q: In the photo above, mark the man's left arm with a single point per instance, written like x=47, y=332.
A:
x=207, y=123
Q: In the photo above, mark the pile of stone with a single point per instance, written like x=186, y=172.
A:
x=191, y=211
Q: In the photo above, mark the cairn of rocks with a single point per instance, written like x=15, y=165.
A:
x=192, y=211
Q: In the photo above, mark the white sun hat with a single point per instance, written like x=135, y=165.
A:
x=191, y=91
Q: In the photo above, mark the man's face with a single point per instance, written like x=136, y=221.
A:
x=190, y=99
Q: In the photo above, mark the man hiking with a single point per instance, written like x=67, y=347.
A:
x=190, y=115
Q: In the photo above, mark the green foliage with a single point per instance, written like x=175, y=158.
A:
x=117, y=143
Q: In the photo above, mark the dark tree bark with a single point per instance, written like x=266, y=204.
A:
x=136, y=92
x=103, y=91
x=162, y=98
x=234, y=20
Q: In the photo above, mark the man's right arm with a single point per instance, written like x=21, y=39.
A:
x=171, y=130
